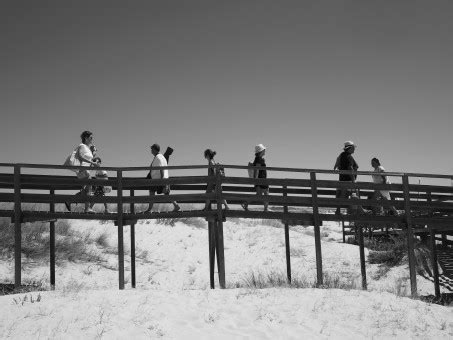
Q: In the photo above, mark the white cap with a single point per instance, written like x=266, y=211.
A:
x=348, y=144
x=259, y=148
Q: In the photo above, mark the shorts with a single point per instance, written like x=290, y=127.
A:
x=385, y=194
x=160, y=189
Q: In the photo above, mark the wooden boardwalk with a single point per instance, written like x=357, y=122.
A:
x=304, y=196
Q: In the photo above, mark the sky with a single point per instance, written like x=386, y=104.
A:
x=301, y=77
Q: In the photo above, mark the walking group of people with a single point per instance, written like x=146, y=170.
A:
x=86, y=154
x=346, y=162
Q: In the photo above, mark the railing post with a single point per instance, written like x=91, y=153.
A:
x=219, y=232
x=132, y=193
x=287, y=246
x=410, y=236
x=432, y=237
x=52, y=242
x=362, y=256
x=212, y=249
x=316, y=225
x=120, y=229
x=17, y=229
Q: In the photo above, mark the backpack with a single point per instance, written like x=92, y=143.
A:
x=220, y=170
x=73, y=159
x=250, y=170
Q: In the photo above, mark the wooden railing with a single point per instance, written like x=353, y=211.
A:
x=305, y=197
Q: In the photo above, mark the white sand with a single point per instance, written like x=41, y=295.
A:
x=172, y=299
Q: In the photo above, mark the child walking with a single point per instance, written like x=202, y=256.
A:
x=209, y=156
x=100, y=190
x=380, y=178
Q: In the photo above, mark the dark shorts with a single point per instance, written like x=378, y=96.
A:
x=158, y=189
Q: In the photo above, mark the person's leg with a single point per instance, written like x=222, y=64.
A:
x=88, y=205
x=176, y=206
x=150, y=206
x=341, y=193
x=226, y=204
x=385, y=195
x=265, y=192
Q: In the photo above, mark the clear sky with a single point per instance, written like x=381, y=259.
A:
x=299, y=76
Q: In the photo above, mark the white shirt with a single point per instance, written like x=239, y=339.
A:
x=159, y=160
x=378, y=178
x=85, y=153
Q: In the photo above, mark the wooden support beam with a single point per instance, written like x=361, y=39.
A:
x=219, y=229
x=17, y=229
x=132, y=206
x=362, y=257
x=434, y=263
x=444, y=240
x=342, y=228
x=120, y=231
x=212, y=249
x=52, y=245
x=410, y=237
x=287, y=245
x=314, y=195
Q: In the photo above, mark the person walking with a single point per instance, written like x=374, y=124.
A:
x=345, y=161
x=159, y=161
x=85, y=156
x=209, y=156
x=100, y=190
x=259, y=172
x=380, y=178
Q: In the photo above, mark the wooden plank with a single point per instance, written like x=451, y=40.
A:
x=219, y=233
x=434, y=262
x=362, y=257
x=52, y=245
x=410, y=237
x=17, y=229
x=132, y=209
x=317, y=232
x=287, y=246
x=120, y=231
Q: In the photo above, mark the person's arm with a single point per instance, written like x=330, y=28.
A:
x=84, y=157
x=337, y=163
x=384, y=177
x=256, y=171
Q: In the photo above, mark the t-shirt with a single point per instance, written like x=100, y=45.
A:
x=85, y=153
x=159, y=160
x=379, y=178
x=259, y=161
x=345, y=162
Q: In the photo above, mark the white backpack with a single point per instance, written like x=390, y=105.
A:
x=73, y=159
x=251, y=172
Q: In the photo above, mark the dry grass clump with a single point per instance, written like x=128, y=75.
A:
x=70, y=244
x=393, y=251
x=279, y=279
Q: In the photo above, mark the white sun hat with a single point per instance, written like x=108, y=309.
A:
x=259, y=148
x=348, y=144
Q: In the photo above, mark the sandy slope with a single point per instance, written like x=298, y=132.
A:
x=225, y=314
x=172, y=298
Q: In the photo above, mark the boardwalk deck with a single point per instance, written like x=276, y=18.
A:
x=307, y=197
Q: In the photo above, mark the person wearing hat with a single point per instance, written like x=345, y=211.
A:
x=346, y=162
x=259, y=162
x=158, y=161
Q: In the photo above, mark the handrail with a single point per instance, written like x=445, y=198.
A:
x=226, y=166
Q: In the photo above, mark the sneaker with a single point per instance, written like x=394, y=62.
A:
x=90, y=211
x=245, y=206
x=177, y=208
x=68, y=205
